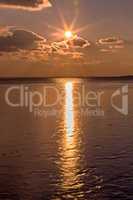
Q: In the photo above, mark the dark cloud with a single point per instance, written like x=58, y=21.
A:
x=12, y=40
x=32, y=5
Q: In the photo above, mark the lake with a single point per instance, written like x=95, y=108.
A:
x=66, y=139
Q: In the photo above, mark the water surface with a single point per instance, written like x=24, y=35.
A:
x=66, y=151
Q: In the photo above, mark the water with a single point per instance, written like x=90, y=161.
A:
x=65, y=151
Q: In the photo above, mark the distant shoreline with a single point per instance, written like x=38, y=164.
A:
x=21, y=80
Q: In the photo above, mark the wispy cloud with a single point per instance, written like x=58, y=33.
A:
x=110, y=44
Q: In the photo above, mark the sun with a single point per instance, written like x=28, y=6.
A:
x=68, y=34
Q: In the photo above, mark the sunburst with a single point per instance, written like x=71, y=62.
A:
x=68, y=34
x=68, y=31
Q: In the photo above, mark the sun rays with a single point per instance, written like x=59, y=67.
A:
x=66, y=30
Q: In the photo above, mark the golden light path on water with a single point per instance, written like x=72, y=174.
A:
x=70, y=153
x=69, y=111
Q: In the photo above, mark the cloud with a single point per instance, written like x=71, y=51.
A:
x=12, y=39
x=29, y=45
x=21, y=47
x=110, y=41
x=24, y=42
x=72, y=49
x=78, y=42
x=110, y=44
x=31, y=5
x=74, y=43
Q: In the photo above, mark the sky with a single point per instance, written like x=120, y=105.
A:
x=32, y=44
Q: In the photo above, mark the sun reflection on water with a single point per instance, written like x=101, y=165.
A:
x=70, y=151
x=69, y=111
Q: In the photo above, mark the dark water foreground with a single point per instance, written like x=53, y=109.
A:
x=80, y=148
